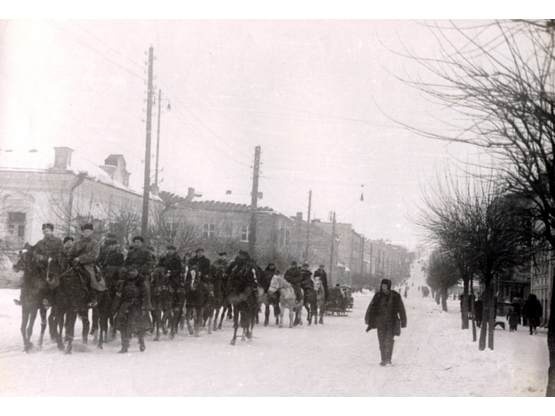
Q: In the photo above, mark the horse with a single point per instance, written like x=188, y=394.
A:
x=219, y=302
x=264, y=298
x=310, y=305
x=162, y=301
x=242, y=297
x=32, y=294
x=196, y=300
x=320, y=301
x=287, y=298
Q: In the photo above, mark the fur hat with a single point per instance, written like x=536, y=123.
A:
x=87, y=226
x=139, y=238
x=68, y=238
x=48, y=225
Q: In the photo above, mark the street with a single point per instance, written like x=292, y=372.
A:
x=433, y=357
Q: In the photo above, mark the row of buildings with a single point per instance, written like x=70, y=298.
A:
x=63, y=187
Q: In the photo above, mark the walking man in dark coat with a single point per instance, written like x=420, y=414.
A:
x=386, y=313
x=141, y=258
x=533, y=312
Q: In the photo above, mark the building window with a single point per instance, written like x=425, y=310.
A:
x=16, y=224
x=208, y=230
x=245, y=234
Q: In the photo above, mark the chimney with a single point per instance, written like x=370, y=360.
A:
x=190, y=194
x=62, y=157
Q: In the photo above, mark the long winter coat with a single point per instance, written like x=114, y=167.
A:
x=131, y=306
x=533, y=310
x=386, y=311
x=73, y=292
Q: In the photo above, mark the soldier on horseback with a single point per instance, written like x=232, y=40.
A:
x=73, y=297
x=83, y=257
x=320, y=273
x=47, y=253
x=294, y=276
x=173, y=270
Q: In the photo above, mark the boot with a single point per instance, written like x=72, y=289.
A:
x=123, y=349
x=142, y=346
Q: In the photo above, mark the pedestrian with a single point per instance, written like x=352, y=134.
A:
x=131, y=308
x=386, y=313
x=513, y=318
x=533, y=312
x=140, y=257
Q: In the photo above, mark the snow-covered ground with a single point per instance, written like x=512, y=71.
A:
x=433, y=357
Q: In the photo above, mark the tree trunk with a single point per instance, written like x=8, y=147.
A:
x=550, y=391
x=472, y=308
x=491, y=318
x=444, y=296
x=464, y=306
x=487, y=327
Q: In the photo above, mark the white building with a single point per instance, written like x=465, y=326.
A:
x=62, y=187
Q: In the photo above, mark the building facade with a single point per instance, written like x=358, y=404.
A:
x=60, y=188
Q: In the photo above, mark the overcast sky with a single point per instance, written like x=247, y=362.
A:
x=313, y=94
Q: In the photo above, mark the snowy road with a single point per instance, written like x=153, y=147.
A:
x=432, y=357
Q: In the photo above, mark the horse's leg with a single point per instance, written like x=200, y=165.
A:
x=52, y=326
x=216, y=315
x=189, y=313
x=291, y=317
x=266, y=314
x=60, y=327
x=197, y=320
x=94, y=323
x=235, y=325
x=281, y=315
x=25, y=315
x=43, y=323
x=210, y=318
x=223, y=315
x=86, y=325
x=157, y=318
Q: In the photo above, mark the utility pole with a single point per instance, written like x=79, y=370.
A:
x=146, y=188
x=308, y=225
x=362, y=256
x=158, y=139
x=332, y=246
x=254, y=200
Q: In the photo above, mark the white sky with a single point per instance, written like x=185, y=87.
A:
x=311, y=93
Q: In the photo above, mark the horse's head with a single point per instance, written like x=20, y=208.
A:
x=25, y=258
x=275, y=284
x=317, y=284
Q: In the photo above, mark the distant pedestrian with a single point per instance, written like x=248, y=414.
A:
x=512, y=318
x=533, y=312
x=386, y=313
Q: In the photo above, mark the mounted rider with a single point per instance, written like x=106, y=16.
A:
x=320, y=273
x=47, y=254
x=83, y=256
x=307, y=284
x=111, y=260
x=294, y=276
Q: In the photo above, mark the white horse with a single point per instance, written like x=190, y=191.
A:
x=287, y=298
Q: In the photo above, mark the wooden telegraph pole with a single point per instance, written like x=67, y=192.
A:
x=254, y=201
x=332, y=247
x=158, y=138
x=308, y=226
x=146, y=188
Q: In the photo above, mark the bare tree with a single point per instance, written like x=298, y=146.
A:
x=484, y=230
x=442, y=275
x=500, y=79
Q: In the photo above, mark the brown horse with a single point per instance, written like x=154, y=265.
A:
x=242, y=297
x=33, y=292
x=197, y=297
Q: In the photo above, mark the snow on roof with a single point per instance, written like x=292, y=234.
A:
x=35, y=160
